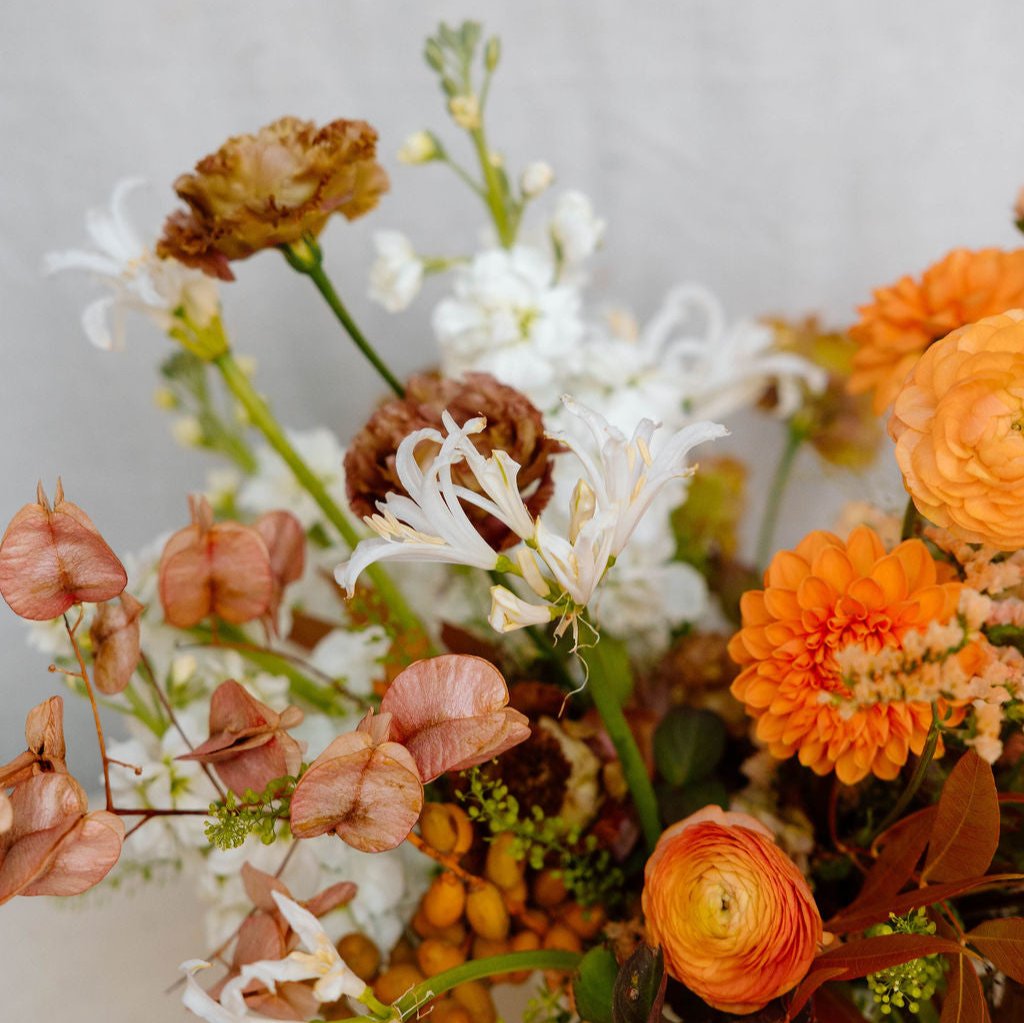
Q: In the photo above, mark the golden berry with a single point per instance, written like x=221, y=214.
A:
x=403, y=952
x=444, y=901
x=361, y=955
x=585, y=921
x=502, y=867
x=395, y=981
x=486, y=912
x=449, y=1011
x=484, y=948
x=474, y=997
x=563, y=937
x=549, y=889
x=435, y=956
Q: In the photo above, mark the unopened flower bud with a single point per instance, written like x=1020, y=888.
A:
x=465, y=111
x=537, y=177
x=187, y=431
x=420, y=147
x=492, y=53
x=509, y=612
x=164, y=398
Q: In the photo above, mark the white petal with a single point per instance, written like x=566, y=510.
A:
x=95, y=325
x=302, y=922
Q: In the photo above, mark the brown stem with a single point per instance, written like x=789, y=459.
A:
x=147, y=812
x=71, y=629
x=446, y=861
x=833, y=831
x=169, y=711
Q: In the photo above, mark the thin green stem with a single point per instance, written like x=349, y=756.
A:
x=766, y=537
x=308, y=260
x=476, y=969
x=495, y=196
x=464, y=176
x=923, y=762
x=602, y=691
x=263, y=419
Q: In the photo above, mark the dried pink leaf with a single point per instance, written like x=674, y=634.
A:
x=6, y=812
x=368, y=793
x=53, y=846
x=53, y=558
x=44, y=737
x=249, y=745
x=452, y=713
x=115, y=642
x=218, y=568
x=286, y=542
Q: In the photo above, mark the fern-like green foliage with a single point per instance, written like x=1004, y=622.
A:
x=264, y=814
x=586, y=869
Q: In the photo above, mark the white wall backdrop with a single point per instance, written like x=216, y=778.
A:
x=790, y=155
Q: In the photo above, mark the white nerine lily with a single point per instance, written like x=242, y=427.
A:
x=230, y=1009
x=141, y=281
x=320, y=961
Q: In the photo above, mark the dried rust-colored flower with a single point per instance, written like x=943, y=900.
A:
x=219, y=568
x=513, y=425
x=272, y=188
x=53, y=558
x=44, y=739
x=249, y=745
x=286, y=543
x=114, y=633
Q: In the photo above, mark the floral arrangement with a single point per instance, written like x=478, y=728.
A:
x=491, y=693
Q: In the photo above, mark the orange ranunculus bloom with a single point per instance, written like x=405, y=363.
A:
x=819, y=598
x=958, y=424
x=906, y=317
x=732, y=913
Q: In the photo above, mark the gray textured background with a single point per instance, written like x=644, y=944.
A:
x=789, y=154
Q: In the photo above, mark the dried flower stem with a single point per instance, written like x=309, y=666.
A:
x=71, y=630
x=263, y=419
x=783, y=471
x=448, y=862
x=307, y=258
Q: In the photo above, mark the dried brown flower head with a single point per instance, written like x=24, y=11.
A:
x=513, y=425
x=268, y=189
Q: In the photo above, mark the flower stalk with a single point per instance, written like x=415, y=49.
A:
x=307, y=258
x=795, y=436
x=263, y=419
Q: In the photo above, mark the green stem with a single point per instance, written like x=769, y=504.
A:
x=263, y=419
x=634, y=770
x=495, y=197
x=475, y=969
x=923, y=761
x=766, y=537
x=308, y=260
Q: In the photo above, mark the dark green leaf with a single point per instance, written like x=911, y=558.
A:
x=594, y=984
x=675, y=804
x=639, y=991
x=688, y=745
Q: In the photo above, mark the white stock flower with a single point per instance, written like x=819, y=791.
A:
x=397, y=273
x=354, y=656
x=319, y=961
x=140, y=280
x=537, y=177
x=574, y=227
x=430, y=523
x=508, y=317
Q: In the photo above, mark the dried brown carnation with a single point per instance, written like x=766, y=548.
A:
x=268, y=189
x=513, y=425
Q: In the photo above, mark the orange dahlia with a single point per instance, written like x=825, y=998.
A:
x=906, y=317
x=818, y=599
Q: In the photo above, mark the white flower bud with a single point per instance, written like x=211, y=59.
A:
x=465, y=111
x=509, y=612
x=187, y=431
x=537, y=177
x=420, y=147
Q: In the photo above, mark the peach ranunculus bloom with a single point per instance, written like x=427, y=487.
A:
x=908, y=316
x=734, y=916
x=820, y=598
x=958, y=424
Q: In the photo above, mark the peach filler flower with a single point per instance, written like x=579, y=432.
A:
x=272, y=188
x=819, y=599
x=958, y=424
x=734, y=916
x=906, y=317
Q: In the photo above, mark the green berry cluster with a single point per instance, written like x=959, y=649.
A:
x=232, y=821
x=909, y=984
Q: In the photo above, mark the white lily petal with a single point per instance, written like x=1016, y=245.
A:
x=198, y=1002
x=96, y=326
x=301, y=921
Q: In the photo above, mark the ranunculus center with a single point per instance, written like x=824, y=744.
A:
x=719, y=904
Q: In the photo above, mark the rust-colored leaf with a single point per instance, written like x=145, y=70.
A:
x=219, y=568
x=965, y=1000
x=865, y=916
x=806, y=989
x=452, y=713
x=368, y=793
x=832, y=1007
x=966, y=830
x=1002, y=942
x=53, y=558
x=902, y=846
x=115, y=640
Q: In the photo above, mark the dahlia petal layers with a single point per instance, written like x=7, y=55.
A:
x=958, y=424
x=820, y=598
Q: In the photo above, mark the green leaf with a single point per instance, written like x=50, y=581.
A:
x=675, y=804
x=966, y=831
x=594, y=984
x=688, y=744
x=639, y=991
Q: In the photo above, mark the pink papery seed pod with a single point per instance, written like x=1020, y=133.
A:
x=53, y=558
x=363, y=787
x=114, y=633
x=249, y=745
x=214, y=568
x=452, y=713
x=286, y=543
x=44, y=738
x=53, y=846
